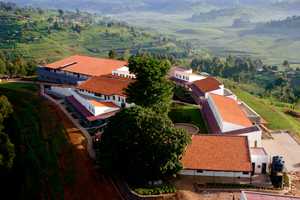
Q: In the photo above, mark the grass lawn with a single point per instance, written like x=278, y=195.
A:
x=272, y=112
x=39, y=141
x=19, y=86
x=187, y=114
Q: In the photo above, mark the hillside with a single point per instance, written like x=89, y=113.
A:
x=49, y=34
x=287, y=28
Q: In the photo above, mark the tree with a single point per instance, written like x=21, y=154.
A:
x=112, y=54
x=7, y=152
x=141, y=145
x=286, y=64
x=5, y=109
x=2, y=67
x=151, y=88
x=126, y=54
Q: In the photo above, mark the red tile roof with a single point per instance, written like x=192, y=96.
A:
x=207, y=85
x=267, y=196
x=86, y=65
x=218, y=153
x=103, y=104
x=106, y=85
x=230, y=111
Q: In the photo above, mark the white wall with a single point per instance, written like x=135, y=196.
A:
x=84, y=102
x=214, y=173
x=116, y=99
x=259, y=160
x=95, y=110
x=227, y=127
x=187, y=75
x=123, y=72
x=215, y=112
x=254, y=137
x=219, y=91
x=103, y=109
x=61, y=91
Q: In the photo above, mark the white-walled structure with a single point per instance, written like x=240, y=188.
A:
x=230, y=119
x=260, y=160
x=123, y=72
x=228, y=113
x=185, y=74
x=221, y=156
x=202, y=88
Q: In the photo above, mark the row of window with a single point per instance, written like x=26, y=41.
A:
x=114, y=98
x=123, y=75
x=182, y=77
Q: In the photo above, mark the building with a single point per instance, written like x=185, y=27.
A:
x=79, y=68
x=184, y=77
x=224, y=115
x=260, y=160
x=247, y=195
x=97, y=99
x=217, y=156
x=201, y=88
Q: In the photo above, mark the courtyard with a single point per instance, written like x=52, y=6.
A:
x=284, y=145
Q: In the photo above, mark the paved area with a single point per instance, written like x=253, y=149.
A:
x=284, y=145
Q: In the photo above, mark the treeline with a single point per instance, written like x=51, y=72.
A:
x=270, y=81
x=15, y=65
x=292, y=22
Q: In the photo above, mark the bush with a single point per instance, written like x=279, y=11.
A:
x=286, y=181
x=155, y=190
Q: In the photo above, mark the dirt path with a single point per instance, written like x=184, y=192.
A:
x=89, y=184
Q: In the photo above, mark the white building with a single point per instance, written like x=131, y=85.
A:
x=209, y=85
x=98, y=98
x=123, y=72
x=226, y=117
x=184, y=77
x=217, y=156
x=260, y=160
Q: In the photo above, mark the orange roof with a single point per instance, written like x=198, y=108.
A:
x=103, y=104
x=217, y=153
x=86, y=65
x=208, y=84
x=106, y=85
x=230, y=111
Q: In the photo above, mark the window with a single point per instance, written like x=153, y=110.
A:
x=199, y=171
x=114, y=98
x=245, y=173
x=119, y=99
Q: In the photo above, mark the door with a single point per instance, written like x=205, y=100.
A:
x=264, y=168
x=253, y=169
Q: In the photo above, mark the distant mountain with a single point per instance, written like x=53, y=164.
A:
x=288, y=27
x=117, y=6
x=214, y=14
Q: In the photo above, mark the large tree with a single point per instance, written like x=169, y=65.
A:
x=7, y=153
x=151, y=89
x=141, y=145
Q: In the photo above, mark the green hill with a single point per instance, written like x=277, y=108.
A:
x=46, y=35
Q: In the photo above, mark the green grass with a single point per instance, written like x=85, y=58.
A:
x=19, y=86
x=39, y=140
x=188, y=114
x=272, y=112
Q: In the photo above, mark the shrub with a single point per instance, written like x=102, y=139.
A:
x=154, y=190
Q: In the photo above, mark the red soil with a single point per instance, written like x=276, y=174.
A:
x=89, y=182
